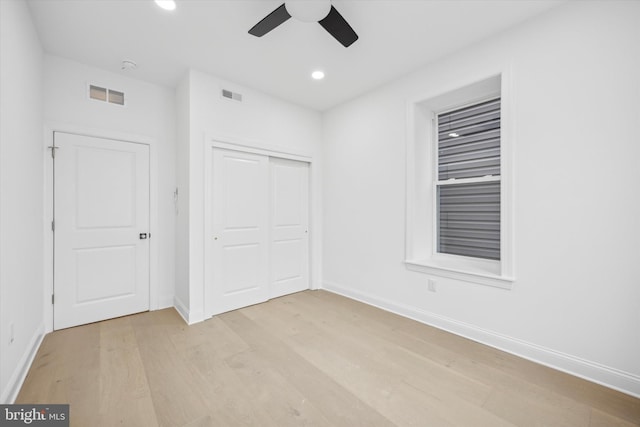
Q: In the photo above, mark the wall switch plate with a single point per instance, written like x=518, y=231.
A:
x=431, y=285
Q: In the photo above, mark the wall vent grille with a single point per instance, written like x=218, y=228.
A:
x=106, y=95
x=231, y=95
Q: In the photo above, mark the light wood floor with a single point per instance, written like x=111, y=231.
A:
x=312, y=358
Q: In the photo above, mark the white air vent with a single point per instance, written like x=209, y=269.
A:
x=106, y=95
x=231, y=95
x=97, y=93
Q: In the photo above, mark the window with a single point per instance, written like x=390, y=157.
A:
x=459, y=210
x=468, y=180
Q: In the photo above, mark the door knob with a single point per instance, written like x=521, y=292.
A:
x=143, y=236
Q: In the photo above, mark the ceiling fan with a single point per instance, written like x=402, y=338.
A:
x=320, y=11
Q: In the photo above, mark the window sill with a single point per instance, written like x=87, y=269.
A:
x=460, y=272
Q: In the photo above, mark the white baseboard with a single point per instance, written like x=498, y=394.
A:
x=181, y=308
x=609, y=377
x=10, y=393
x=189, y=316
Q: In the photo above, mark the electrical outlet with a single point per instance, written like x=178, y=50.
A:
x=432, y=285
x=11, y=333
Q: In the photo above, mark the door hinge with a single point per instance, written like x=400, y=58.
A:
x=53, y=149
x=52, y=298
x=53, y=225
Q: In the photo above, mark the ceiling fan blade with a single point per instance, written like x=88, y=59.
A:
x=270, y=21
x=336, y=25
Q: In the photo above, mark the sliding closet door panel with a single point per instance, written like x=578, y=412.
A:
x=289, y=251
x=239, y=239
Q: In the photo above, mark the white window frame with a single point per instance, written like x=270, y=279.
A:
x=421, y=250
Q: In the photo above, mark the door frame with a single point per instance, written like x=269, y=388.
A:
x=245, y=146
x=49, y=130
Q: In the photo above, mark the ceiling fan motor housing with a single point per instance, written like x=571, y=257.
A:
x=308, y=10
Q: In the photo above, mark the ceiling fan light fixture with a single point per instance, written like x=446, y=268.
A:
x=166, y=4
x=320, y=11
x=308, y=10
x=317, y=75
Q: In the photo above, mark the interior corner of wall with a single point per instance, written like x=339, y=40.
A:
x=181, y=308
x=10, y=392
x=189, y=314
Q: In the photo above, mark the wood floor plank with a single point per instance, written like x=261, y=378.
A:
x=190, y=383
x=70, y=364
x=286, y=407
x=517, y=406
x=392, y=394
x=339, y=406
x=602, y=419
x=379, y=370
x=191, y=337
x=47, y=373
x=206, y=421
x=485, y=363
x=173, y=387
x=123, y=382
x=400, y=360
x=311, y=358
x=229, y=400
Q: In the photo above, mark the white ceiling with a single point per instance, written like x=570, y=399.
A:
x=396, y=37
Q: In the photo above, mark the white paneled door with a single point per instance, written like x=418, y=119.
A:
x=239, y=236
x=289, y=256
x=101, y=239
x=257, y=243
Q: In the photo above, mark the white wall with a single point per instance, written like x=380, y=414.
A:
x=576, y=100
x=182, y=207
x=149, y=114
x=21, y=195
x=260, y=121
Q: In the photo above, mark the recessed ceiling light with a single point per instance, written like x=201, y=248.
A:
x=317, y=75
x=166, y=4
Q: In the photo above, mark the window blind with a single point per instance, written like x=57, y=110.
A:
x=469, y=212
x=469, y=141
x=469, y=220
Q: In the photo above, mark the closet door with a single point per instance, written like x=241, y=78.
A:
x=289, y=227
x=240, y=221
